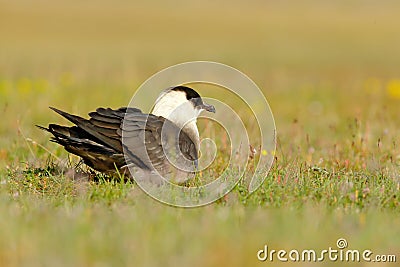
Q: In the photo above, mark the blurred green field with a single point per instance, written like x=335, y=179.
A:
x=330, y=71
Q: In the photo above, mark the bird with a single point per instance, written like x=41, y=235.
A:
x=165, y=141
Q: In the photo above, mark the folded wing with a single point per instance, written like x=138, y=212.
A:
x=102, y=140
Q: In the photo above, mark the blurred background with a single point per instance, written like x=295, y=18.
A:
x=320, y=64
x=329, y=69
x=322, y=60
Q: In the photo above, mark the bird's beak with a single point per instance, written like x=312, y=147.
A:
x=208, y=107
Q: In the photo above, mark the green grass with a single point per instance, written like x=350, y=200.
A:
x=329, y=72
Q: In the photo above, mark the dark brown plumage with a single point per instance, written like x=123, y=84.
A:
x=98, y=140
x=163, y=144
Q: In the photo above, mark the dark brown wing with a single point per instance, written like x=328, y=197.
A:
x=98, y=141
x=164, y=142
x=93, y=153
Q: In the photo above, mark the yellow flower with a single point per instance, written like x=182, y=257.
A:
x=5, y=87
x=24, y=86
x=393, y=88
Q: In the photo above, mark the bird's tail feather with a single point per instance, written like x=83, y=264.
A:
x=79, y=143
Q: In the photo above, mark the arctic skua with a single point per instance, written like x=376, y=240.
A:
x=165, y=141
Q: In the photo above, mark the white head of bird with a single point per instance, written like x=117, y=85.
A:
x=182, y=106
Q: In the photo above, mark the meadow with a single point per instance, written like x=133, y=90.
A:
x=330, y=72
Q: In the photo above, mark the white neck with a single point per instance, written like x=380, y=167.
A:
x=192, y=131
x=175, y=107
